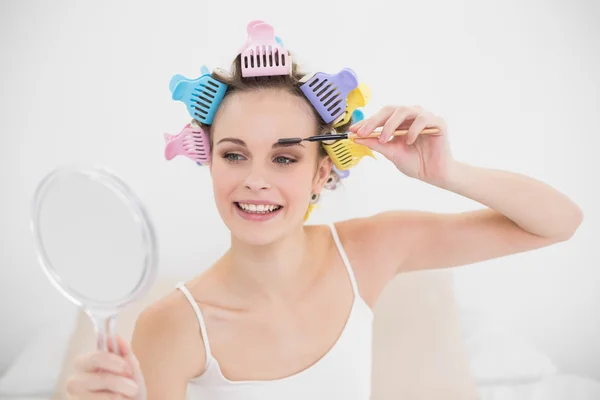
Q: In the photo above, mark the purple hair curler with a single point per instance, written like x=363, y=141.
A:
x=328, y=93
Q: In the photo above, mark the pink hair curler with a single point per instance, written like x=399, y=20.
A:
x=191, y=142
x=263, y=54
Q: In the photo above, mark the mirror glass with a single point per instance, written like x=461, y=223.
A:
x=94, y=239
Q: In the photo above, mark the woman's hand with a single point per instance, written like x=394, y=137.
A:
x=425, y=157
x=106, y=375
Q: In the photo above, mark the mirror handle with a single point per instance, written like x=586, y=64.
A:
x=105, y=326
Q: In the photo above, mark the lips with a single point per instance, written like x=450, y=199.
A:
x=258, y=208
x=257, y=211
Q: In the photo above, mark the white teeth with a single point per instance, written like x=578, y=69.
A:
x=258, y=208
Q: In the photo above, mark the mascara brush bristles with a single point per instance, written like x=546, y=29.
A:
x=290, y=141
x=318, y=138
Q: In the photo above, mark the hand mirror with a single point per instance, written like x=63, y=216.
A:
x=95, y=242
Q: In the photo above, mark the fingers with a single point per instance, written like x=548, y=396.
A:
x=375, y=121
x=86, y=383
x=417, y=127
x=400, y=115
x=354, y=128
x=389, y=117
x=133, y=365
x=107, y=375
x=103, y=361
x=136, y=369
x=123, y=346
x=104, y=396
x=414, y=118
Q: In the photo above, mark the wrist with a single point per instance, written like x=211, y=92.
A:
x=454, y=172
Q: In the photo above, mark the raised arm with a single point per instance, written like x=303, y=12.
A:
x=519, y=213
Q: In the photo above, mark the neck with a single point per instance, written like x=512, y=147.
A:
x=277, y=271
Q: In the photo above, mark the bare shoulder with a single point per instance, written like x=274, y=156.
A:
x=168, y=343
x=365, y=241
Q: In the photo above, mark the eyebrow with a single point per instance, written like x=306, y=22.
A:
x=240, y=142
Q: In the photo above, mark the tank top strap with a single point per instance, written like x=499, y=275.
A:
x=344, y=256
x=181, y=286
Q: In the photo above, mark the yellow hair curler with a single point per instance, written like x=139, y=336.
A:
x=346, y=154
x=358, y=97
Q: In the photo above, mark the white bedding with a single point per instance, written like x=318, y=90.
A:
x=24, y=398
x=505, y=366
x=554, y=387
x=551, y=387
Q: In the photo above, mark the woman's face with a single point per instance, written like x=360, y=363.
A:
x=262, y=189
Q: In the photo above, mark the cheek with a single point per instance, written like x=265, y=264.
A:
x=224, y=180
x=296, y=185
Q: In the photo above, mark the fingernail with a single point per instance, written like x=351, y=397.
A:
x=361, y=130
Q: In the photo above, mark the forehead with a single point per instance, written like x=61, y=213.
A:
x=265, y=114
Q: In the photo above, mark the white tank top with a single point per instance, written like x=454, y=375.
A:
x=344, y=372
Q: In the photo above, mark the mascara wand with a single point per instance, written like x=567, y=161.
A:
x=341, y=136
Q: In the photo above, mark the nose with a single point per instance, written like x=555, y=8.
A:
x=255, y=181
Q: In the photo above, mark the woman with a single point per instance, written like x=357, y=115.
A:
x=286, y=312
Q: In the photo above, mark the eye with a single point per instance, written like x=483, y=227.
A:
x=284, y=160
x=233, y=157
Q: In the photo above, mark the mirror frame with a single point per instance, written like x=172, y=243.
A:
x=111, y=181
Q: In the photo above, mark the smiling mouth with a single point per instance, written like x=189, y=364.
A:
x=258, y=208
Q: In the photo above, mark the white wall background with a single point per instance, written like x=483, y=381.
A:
x=517, y=82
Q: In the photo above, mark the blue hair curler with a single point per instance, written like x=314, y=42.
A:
x=201, y=96
x=357, y=116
